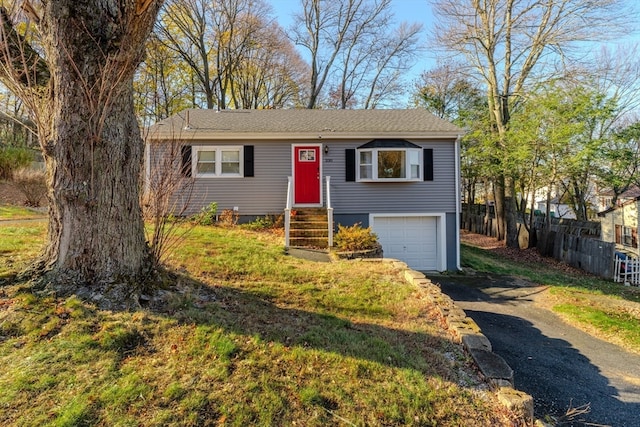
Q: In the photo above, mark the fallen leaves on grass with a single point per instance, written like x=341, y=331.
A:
x=529, y=256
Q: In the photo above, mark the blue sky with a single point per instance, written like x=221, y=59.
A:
x=418, y=11
x=404, y=11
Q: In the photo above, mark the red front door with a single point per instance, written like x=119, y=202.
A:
x=306, y=173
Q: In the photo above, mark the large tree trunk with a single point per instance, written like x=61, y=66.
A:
x=499, y=209
x=511, y=214
x=95, y=225
x=93, y=149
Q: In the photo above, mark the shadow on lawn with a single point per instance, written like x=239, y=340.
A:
x=253, y=314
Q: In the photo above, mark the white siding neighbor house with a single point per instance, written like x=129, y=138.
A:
x=619, y=224
x=557, y=208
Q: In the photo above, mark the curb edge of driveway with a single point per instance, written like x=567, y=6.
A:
x=495, y=370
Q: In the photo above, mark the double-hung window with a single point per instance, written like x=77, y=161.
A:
x=230, y=162
x=366, y=164
x=206, y=163
x=220, y=161
x=626, y=236
x=629, y=237
x=389, y=161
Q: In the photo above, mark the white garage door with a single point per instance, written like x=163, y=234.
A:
x=412, y=239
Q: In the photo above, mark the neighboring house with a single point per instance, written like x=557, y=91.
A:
x=604, y=200
x=620, y=226
x=394, y=170
x=557, y=208
x=605, y=197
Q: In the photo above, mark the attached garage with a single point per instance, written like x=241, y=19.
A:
x=397, y=171
x=417, y=239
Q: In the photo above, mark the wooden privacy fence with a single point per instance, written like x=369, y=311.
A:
x=626, y=270
x=479, y=219
x=573, y=242
x=578, y=244
x=569, y=226
x=587, y=253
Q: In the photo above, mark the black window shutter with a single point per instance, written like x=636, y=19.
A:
x=248, y=160
x=350, y=164
x=428, y=164
x=186, y=161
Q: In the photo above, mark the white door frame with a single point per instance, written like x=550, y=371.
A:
x=293, y=173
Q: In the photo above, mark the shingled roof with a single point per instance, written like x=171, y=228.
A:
x=302, y=124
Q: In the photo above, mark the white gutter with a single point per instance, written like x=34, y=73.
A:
x=194, y=134
x=458, y=201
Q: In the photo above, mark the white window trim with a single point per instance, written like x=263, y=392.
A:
x=627, y=236
x=374, y=165
x=218, y=165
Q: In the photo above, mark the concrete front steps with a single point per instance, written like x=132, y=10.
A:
x=309, y=228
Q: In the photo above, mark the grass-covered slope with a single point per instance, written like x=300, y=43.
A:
x=245, y=336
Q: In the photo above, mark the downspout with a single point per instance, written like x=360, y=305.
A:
x=147, y=167
x=329, y=214
x=458, y=201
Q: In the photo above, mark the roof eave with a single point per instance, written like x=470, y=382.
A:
x=191, y=135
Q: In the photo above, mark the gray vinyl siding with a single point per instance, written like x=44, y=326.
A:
x=434, y=196
x=265, y=193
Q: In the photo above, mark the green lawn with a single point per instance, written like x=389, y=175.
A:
x=16, y=212
x=601, y=307
x=248, y=336
x=19, y=243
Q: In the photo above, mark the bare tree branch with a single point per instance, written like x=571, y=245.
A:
x=20, y=63
x=511, y=43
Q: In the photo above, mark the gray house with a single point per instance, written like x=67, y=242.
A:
x=394, y=170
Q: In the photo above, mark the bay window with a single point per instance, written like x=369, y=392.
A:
x=390, y=164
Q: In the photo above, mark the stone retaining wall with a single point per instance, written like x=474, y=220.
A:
x=496, y=372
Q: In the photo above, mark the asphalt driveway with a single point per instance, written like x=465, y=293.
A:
x=560, y=366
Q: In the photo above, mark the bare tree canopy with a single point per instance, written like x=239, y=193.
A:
x=238, y=56
x=447, y=92
x=164, y=84
x=508, y=44
x=354, y=50
x=72, y=63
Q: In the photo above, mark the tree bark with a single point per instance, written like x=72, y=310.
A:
x=93, y=149
x=95, y=225
x=499, y=200
x=511, y=215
